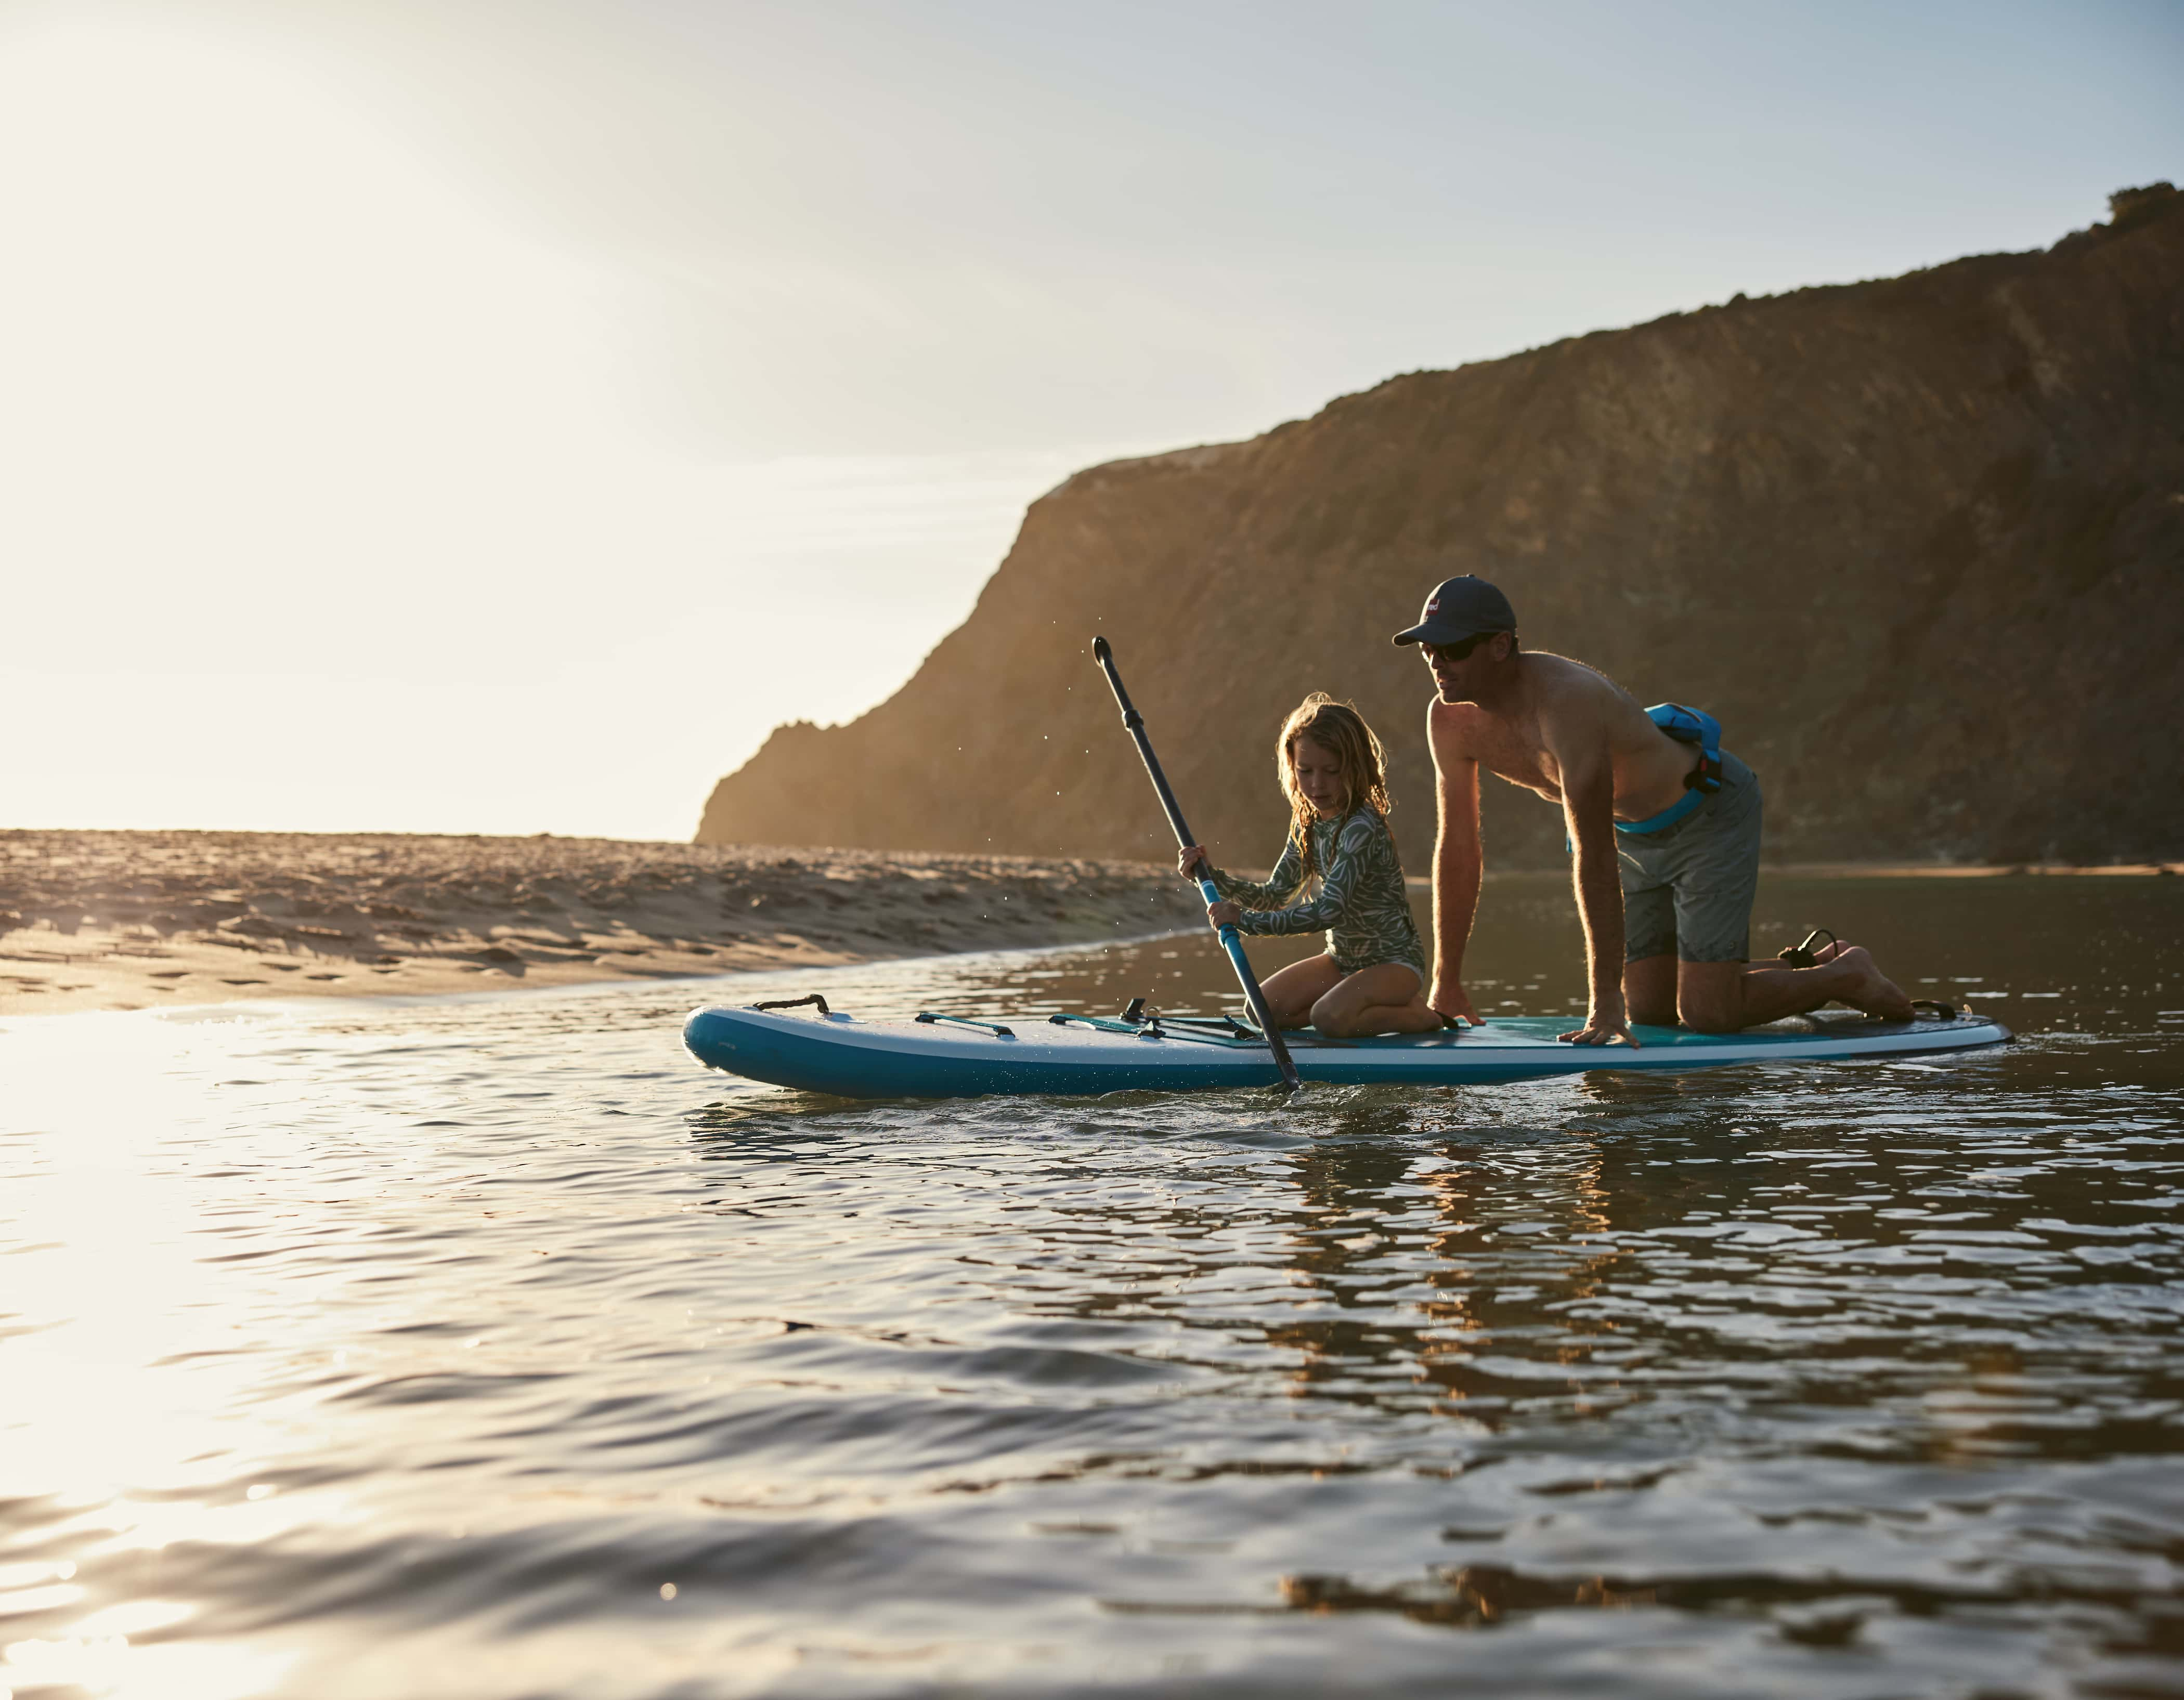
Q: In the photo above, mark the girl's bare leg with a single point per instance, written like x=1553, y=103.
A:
x=1386, y=997
x=1292, y=992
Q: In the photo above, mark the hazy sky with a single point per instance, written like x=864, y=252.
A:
x=495, y=417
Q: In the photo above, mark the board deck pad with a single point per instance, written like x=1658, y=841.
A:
x=1082, y=1056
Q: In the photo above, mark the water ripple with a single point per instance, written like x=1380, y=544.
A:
x=489, y=1348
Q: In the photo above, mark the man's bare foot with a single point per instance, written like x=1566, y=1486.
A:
x=1874, y=992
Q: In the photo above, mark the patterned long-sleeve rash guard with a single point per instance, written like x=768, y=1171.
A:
x=1362, y=905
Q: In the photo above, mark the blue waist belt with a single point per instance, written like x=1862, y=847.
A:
x=1687, y=726
x=1668, y=817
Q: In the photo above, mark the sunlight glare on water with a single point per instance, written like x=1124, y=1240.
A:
x=491, y=1348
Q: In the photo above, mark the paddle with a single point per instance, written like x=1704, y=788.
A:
x=1104, y=653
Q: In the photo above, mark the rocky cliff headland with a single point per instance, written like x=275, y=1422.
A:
x=1918, y=542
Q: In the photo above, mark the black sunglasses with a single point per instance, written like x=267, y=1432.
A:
x=1455, y=652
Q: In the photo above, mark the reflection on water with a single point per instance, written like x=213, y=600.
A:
x=491, y=1348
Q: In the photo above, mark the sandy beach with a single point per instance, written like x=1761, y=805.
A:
x=128, y=921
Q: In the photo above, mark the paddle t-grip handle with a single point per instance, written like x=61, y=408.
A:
x=1104, y=653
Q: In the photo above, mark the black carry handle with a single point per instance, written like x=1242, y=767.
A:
x=1104, y=653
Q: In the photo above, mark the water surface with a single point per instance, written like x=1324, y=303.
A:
x=491, y=1348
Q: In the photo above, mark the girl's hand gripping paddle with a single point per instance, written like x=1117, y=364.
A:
x=1104, y=653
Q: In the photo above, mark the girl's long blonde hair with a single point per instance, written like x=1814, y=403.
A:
x=1339, y=730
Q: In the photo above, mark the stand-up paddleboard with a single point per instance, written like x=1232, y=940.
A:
x=943, y=1056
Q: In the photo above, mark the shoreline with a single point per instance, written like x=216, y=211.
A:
x=96, y=920
x=119, y=920
x=285, y=1000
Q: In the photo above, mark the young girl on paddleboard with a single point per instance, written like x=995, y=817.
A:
x=1372, y=978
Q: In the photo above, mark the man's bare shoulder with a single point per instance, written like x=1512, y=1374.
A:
x=1571, y=695
x=1452, y=730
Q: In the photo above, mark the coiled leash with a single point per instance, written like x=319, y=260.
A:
x=1802, y=953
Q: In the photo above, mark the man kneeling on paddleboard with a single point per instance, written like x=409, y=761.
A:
x=1664, y=824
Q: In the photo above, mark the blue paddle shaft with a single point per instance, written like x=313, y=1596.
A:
x=1230, y=941
x=1234, y=946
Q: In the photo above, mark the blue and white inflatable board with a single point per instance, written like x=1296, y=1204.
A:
x=1079, y=1056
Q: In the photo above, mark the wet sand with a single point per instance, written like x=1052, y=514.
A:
x=128, y=921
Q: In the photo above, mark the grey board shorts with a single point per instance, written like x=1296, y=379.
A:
x=1687, y=889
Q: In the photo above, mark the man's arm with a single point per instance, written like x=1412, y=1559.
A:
x=1458, y=862
x=1588, y=786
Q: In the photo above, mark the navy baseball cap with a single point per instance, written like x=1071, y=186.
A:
x=1460, y=608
